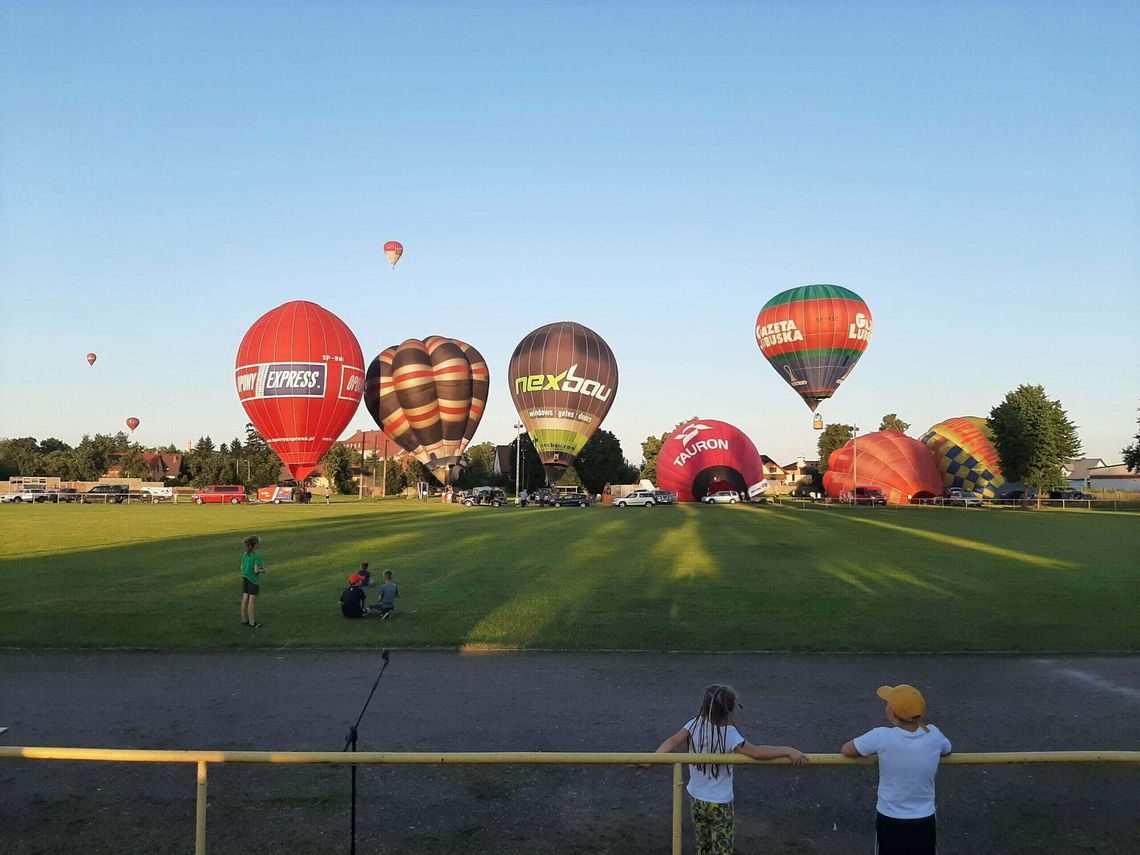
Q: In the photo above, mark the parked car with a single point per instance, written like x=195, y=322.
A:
x=638, y=498
x=806, y=491
x=665, y=497
x=106, y=493
x=580, y=500
x=484, y=496
x=722, y=497
x=157, y=494
x=28, y=495
x=220, y=493
x=958, y=496
x=65, y=494
x=1072, y=495
x=863, y=496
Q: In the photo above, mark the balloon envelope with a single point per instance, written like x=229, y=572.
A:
x=964, y=452
x=704, y=456
x=299, y=374
x=132, y=423
x=889, y=459
x=393, y=249
x=429, y=397
x=813, y=336
x=563, y=378
x=91, y=357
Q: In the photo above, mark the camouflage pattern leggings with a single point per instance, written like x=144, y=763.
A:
x=713, y=824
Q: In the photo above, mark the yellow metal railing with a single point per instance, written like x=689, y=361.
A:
x=508, y=758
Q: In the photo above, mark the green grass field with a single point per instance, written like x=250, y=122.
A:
x=669, y=578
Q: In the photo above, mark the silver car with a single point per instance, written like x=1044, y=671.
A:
x=722, y=497
x=642, y=498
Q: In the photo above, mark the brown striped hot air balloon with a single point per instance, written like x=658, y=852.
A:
x=563, y=380
x=429, y=397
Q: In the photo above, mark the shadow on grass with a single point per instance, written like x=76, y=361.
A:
x=686, y=577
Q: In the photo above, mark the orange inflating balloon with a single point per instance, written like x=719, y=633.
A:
x=91, y=357
x=393, y=249
x=901, y=467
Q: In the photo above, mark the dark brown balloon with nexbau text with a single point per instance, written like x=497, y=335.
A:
x=563, y=379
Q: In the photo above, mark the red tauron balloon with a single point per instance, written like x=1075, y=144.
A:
x=703, y=456
x=300, y=375
x=903, y=468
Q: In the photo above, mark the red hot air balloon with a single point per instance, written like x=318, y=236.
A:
x=901, y=467
x=813, y=336
x=705, y=456
x=393, y=249
x=132, y=423
x=299, y=374
x=91, y=357
x=429, y=397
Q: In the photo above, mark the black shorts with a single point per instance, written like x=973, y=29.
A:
x=905, y=836
x=248, y=587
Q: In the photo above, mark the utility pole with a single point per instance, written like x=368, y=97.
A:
x=855, y=465
x=518, y=458
x=384, y=486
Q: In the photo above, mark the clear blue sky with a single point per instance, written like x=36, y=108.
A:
x=171, y=171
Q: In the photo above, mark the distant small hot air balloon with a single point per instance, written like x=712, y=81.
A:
x=813, y=336
x=132, y=423
x=91, y=357
x=563, y=378
x=393, y=249
x=429, y=397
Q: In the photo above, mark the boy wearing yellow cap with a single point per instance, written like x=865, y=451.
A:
x=909, y=751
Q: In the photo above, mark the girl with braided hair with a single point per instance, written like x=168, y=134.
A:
x=710, y=786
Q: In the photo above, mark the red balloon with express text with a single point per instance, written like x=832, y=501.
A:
x=300, y=377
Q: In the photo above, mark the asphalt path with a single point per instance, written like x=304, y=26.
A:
x=447, y=701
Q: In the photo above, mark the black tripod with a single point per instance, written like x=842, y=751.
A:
x=350, y=742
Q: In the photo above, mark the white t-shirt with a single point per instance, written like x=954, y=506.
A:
x=908, y=763
x=706, y=786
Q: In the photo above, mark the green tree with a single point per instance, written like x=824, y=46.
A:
x=51, y=444
x=394, y=475
x=20, y=456
x=1132, y=453
x=834, y=436
x=1033, y=437
x=601, y=462
x=133, y=464
x=337, y=463
x=650, y=448
x=533, y=474
x=92, y=455
x=415, y=472
x=891, y=421
x=480, y=466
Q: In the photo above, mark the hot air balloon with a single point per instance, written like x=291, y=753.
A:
x=429, y=397
x=813, y=336
x=393, y=249
x=91, y=357
x=888, y=459
x=705, y=456
x=563, y=379
x=299, y=374
x=964, y=452
x=132, y=423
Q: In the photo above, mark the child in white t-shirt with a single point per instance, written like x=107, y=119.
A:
x=909, y=752
x=710, y=786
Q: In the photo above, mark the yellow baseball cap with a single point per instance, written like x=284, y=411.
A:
x=904, y=701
